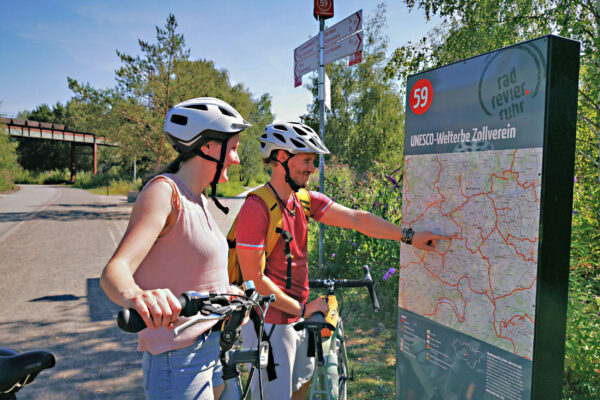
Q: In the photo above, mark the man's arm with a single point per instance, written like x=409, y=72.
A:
x=252, y=263
x=374, y=226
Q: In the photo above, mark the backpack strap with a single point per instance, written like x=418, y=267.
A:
x=233, y=268
x=274, y=231
x=265, y=194
x=271, y=373
x=304, y=197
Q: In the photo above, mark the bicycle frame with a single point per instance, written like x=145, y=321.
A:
x=330, y=377
x=331, y=372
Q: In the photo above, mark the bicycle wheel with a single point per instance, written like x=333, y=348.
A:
x=342, y=361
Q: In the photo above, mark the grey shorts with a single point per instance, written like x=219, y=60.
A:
x=292, y=366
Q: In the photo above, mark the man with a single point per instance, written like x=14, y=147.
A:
x=290, y=149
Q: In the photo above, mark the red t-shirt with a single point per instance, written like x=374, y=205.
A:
x=251, y=232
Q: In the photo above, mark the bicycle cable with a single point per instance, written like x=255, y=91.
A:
x=261, y=329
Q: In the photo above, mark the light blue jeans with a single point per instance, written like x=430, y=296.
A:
x=184, y=374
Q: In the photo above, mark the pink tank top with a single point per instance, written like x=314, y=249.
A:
x=192, y=255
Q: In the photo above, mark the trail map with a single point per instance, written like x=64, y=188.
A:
x=482, y=282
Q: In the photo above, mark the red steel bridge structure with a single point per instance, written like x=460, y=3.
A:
x=48, y=131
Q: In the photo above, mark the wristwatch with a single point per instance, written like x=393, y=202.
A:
x=407, y=235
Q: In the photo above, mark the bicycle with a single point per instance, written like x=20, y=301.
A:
x=233, y=309
x=19, y=369
x=326, y=336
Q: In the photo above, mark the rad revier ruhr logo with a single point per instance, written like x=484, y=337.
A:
x=421, y=95
x=510, y=81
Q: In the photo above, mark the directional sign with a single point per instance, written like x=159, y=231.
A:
x=351, y=45
x=340, y=40
x=306, y=57
x=345, y=27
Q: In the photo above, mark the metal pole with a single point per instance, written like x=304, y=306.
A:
x=134, y=171
x=598, y=110
x=321, y=128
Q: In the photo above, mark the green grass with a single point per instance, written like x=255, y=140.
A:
x=372, y=356
x=98, y=183
x=230, y=189
x=115, y=188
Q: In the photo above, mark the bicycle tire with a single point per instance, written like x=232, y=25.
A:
x=342, y=362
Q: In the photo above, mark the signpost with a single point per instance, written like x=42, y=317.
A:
x=341, y=40
x=489, y=153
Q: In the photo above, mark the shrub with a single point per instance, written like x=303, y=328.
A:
x=51, y=177
x=379, y=192
x=582, y=347
x=9, y=166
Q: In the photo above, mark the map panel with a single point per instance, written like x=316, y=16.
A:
x=482, y=282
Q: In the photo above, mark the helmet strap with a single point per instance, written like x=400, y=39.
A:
x=220, y=163
x=293, y=185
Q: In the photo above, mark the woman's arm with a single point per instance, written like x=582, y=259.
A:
x=150, y=215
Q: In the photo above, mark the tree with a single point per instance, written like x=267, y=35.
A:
x=9, y=165
x=365, y=123
x=132, y=113
x=143, y=94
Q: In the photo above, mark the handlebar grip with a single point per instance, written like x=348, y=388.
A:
x=130, y=321
x=371, y=288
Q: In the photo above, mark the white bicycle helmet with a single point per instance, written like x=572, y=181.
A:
x=293, y=137
x=194, y=122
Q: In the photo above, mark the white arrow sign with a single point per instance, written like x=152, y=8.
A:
x=343, y=28
x=350, y=45
x=337, y=44
x=306, y=57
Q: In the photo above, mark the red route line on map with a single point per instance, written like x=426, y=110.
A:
x=493, y=298
x=406, y=182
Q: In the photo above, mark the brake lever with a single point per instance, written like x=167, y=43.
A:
x=214, y=313
x=194, y=320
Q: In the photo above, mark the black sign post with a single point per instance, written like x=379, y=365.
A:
x=489, y=154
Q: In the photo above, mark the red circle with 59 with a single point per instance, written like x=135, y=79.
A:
x=421, y=95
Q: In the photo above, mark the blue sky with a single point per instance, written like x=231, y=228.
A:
x=44, y=42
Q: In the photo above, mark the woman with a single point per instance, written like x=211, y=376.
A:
x=172, y=244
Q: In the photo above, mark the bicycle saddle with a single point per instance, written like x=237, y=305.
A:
x=316, y=322
x=18, y=369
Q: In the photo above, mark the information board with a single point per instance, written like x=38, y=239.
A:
x=481, y=152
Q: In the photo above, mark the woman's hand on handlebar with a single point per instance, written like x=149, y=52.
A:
x=317, y=305
x=157, y=307
x=233, y=289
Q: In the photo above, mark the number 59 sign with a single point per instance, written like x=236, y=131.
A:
x=421, y=95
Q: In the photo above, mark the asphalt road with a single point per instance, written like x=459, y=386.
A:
x=54, y=242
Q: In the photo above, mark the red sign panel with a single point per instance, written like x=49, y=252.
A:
x=421, y=95
x=323, y=8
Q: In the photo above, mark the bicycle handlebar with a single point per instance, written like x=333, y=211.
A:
x=191, y=304
x=367, y=282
